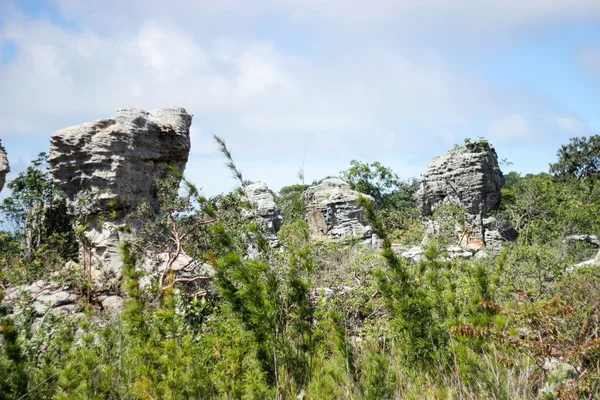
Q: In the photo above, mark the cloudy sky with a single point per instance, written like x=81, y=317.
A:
x=321, y=81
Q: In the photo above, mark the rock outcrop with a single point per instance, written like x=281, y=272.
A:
x=467, y=176
x=591, y=240
x=333, y=212
x=453, y=252
x=40, y=297
x=110, y=166
x=4, y=166
x=264, y=210
x=593, y=261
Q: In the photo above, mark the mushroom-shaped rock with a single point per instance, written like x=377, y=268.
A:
x=264, y=210
x=116, y=164
x=332, y=211
x=123, y=158
x=4, y=166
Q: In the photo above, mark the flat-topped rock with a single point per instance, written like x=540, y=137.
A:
x=333, y=212
x=467, y=175
x=121, y=159
x=114, y=165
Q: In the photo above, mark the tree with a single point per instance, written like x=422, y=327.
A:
x=579, y=159
x=37, y=211
x=28, y=189
x=376, y=180
x=291, y=202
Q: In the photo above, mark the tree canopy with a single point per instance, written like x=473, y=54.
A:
x=580, y=159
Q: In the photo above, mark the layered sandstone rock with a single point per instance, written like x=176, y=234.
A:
x=109, y=167
x=333, y=212
x=264, y=210
x=4, y=166
x=467, y=176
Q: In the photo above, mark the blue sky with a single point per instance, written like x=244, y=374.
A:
x=392, y=81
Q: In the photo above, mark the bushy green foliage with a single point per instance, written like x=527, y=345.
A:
x=544, y=209
x=39, y=236
x=383, y=184
x=315, y=320
x=579, y=159
x=290, y=201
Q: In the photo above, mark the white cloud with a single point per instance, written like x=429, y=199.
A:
x=589, y=59
x=510, y=128
x=570, y=124
x=347, y=94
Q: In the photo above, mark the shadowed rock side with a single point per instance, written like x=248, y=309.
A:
x=333, y=212
x=264, y=210
x=113, y=165
x=468, y=176
x=4, y=166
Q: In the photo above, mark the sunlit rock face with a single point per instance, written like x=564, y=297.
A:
x=333, y=212
x=264, y=210
x=467, y=176
x=4, y=166
x=113, y=165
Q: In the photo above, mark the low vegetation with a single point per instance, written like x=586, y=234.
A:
x=319, y=320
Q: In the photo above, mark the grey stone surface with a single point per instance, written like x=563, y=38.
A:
x=40, y=297
x=4, y=166
x=467, y=176
x=592, y=240
x=593, y=261
x=114, y=165
x=264, y=210
x=113, y=303
x=414, y=253
x=455, y=252
x=333, y=212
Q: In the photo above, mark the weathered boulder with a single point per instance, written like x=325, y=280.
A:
x=110, y=166
x=591, y=240
x=112, y=303
x=417, y=253
x=414, y=253
x=467, y=176
x=4, y=166
x=593, y=261
x=40, y=297
x=333, y=212
x=265, y=211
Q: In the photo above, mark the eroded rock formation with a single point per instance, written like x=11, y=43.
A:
x=109, y=167
x=264, y=210
x=333, y=212
x=4, y=166
x=467, y=176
